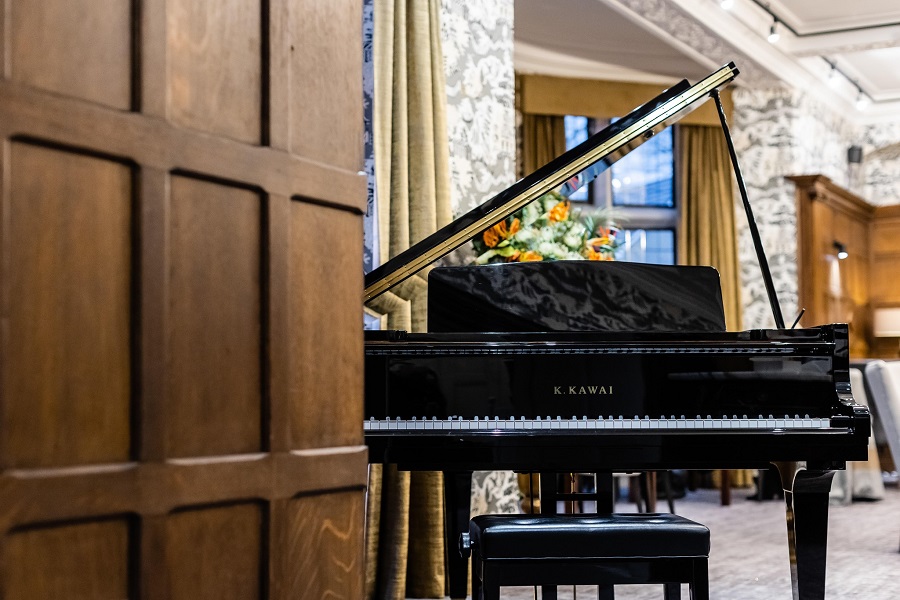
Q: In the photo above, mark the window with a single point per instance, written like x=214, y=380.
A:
x=640, y=188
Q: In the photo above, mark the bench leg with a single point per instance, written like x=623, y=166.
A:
x=700, y=584
x=490, y=586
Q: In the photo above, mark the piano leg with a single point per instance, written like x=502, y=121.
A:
x=457, y=504
x=806, y=505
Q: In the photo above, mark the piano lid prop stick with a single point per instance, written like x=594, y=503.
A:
x=754, y=232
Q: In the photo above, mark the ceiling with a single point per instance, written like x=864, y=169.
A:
x=836, y=50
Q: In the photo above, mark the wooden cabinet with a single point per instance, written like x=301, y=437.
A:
x=180, y=289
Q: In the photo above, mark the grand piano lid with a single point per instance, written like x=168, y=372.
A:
x=564, y=174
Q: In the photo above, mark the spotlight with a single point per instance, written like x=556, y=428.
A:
x=841, y=250
x=773, y=33
x=862, y=101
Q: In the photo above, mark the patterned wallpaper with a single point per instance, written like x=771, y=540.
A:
x=477, y=40
x=881, y=163
x=779, y=132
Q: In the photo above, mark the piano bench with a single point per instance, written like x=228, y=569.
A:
x=578, y=549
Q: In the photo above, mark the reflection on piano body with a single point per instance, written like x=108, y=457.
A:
x=601, y=367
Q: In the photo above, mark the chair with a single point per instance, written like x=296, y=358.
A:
x=587, y=549
x=883, y=380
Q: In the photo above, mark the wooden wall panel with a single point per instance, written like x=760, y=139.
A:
x=885, y=236
x=84, y=561
x=215, y=380
x=322, y=549
x=180, y=301
x=323, y=360
x=832, y=290
x=215, y=73
x=326, y=131
x=79, y=48
x=216, y=553
x=68, y=374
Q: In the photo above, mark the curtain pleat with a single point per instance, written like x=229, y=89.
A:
x=707, y=224
x=707, y=217
x=543, y=139
x=405, y=547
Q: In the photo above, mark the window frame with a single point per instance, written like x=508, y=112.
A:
x=635, y=217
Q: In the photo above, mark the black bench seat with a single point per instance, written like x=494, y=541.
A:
x=602, y=550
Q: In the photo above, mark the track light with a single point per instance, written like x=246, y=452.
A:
x=773, y=32
x=841, y=250
x=862, y=101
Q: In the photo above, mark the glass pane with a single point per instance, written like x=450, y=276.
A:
x=577, y=132
x=654, y=246
x=644, y=177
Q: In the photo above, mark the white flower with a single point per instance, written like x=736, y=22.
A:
x=572, y=239
x=524, y=236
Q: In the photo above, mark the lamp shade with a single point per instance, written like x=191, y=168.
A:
x=886, y=322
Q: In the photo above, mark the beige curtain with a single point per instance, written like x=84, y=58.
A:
x=707, y=217
x=543, y=139
x=707, y=223
x=404, y=543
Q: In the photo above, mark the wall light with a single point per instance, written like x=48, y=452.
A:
x=841, y=250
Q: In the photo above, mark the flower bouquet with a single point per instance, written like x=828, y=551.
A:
x=548, y=229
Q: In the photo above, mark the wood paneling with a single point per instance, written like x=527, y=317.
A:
x=833, y=290
x=215, y=73
x=322, y=363
x=180, y=332
x=84, y=561
x=216, y=553
x=214, y=397
x=885, y=240
x=78, y=48
x=848, y=290
x=329, y=130
x=67, y=304
x=322, y=548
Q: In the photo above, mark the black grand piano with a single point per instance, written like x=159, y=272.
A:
x=583, y=366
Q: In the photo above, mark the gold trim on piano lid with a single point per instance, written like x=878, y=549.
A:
x=614, y=148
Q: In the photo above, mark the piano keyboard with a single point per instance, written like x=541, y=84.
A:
x=758, y=423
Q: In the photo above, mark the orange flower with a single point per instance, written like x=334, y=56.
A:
x=595, y=248
x=559, y=212
x=514, y=257
x=530, y=256
x=500, y=231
